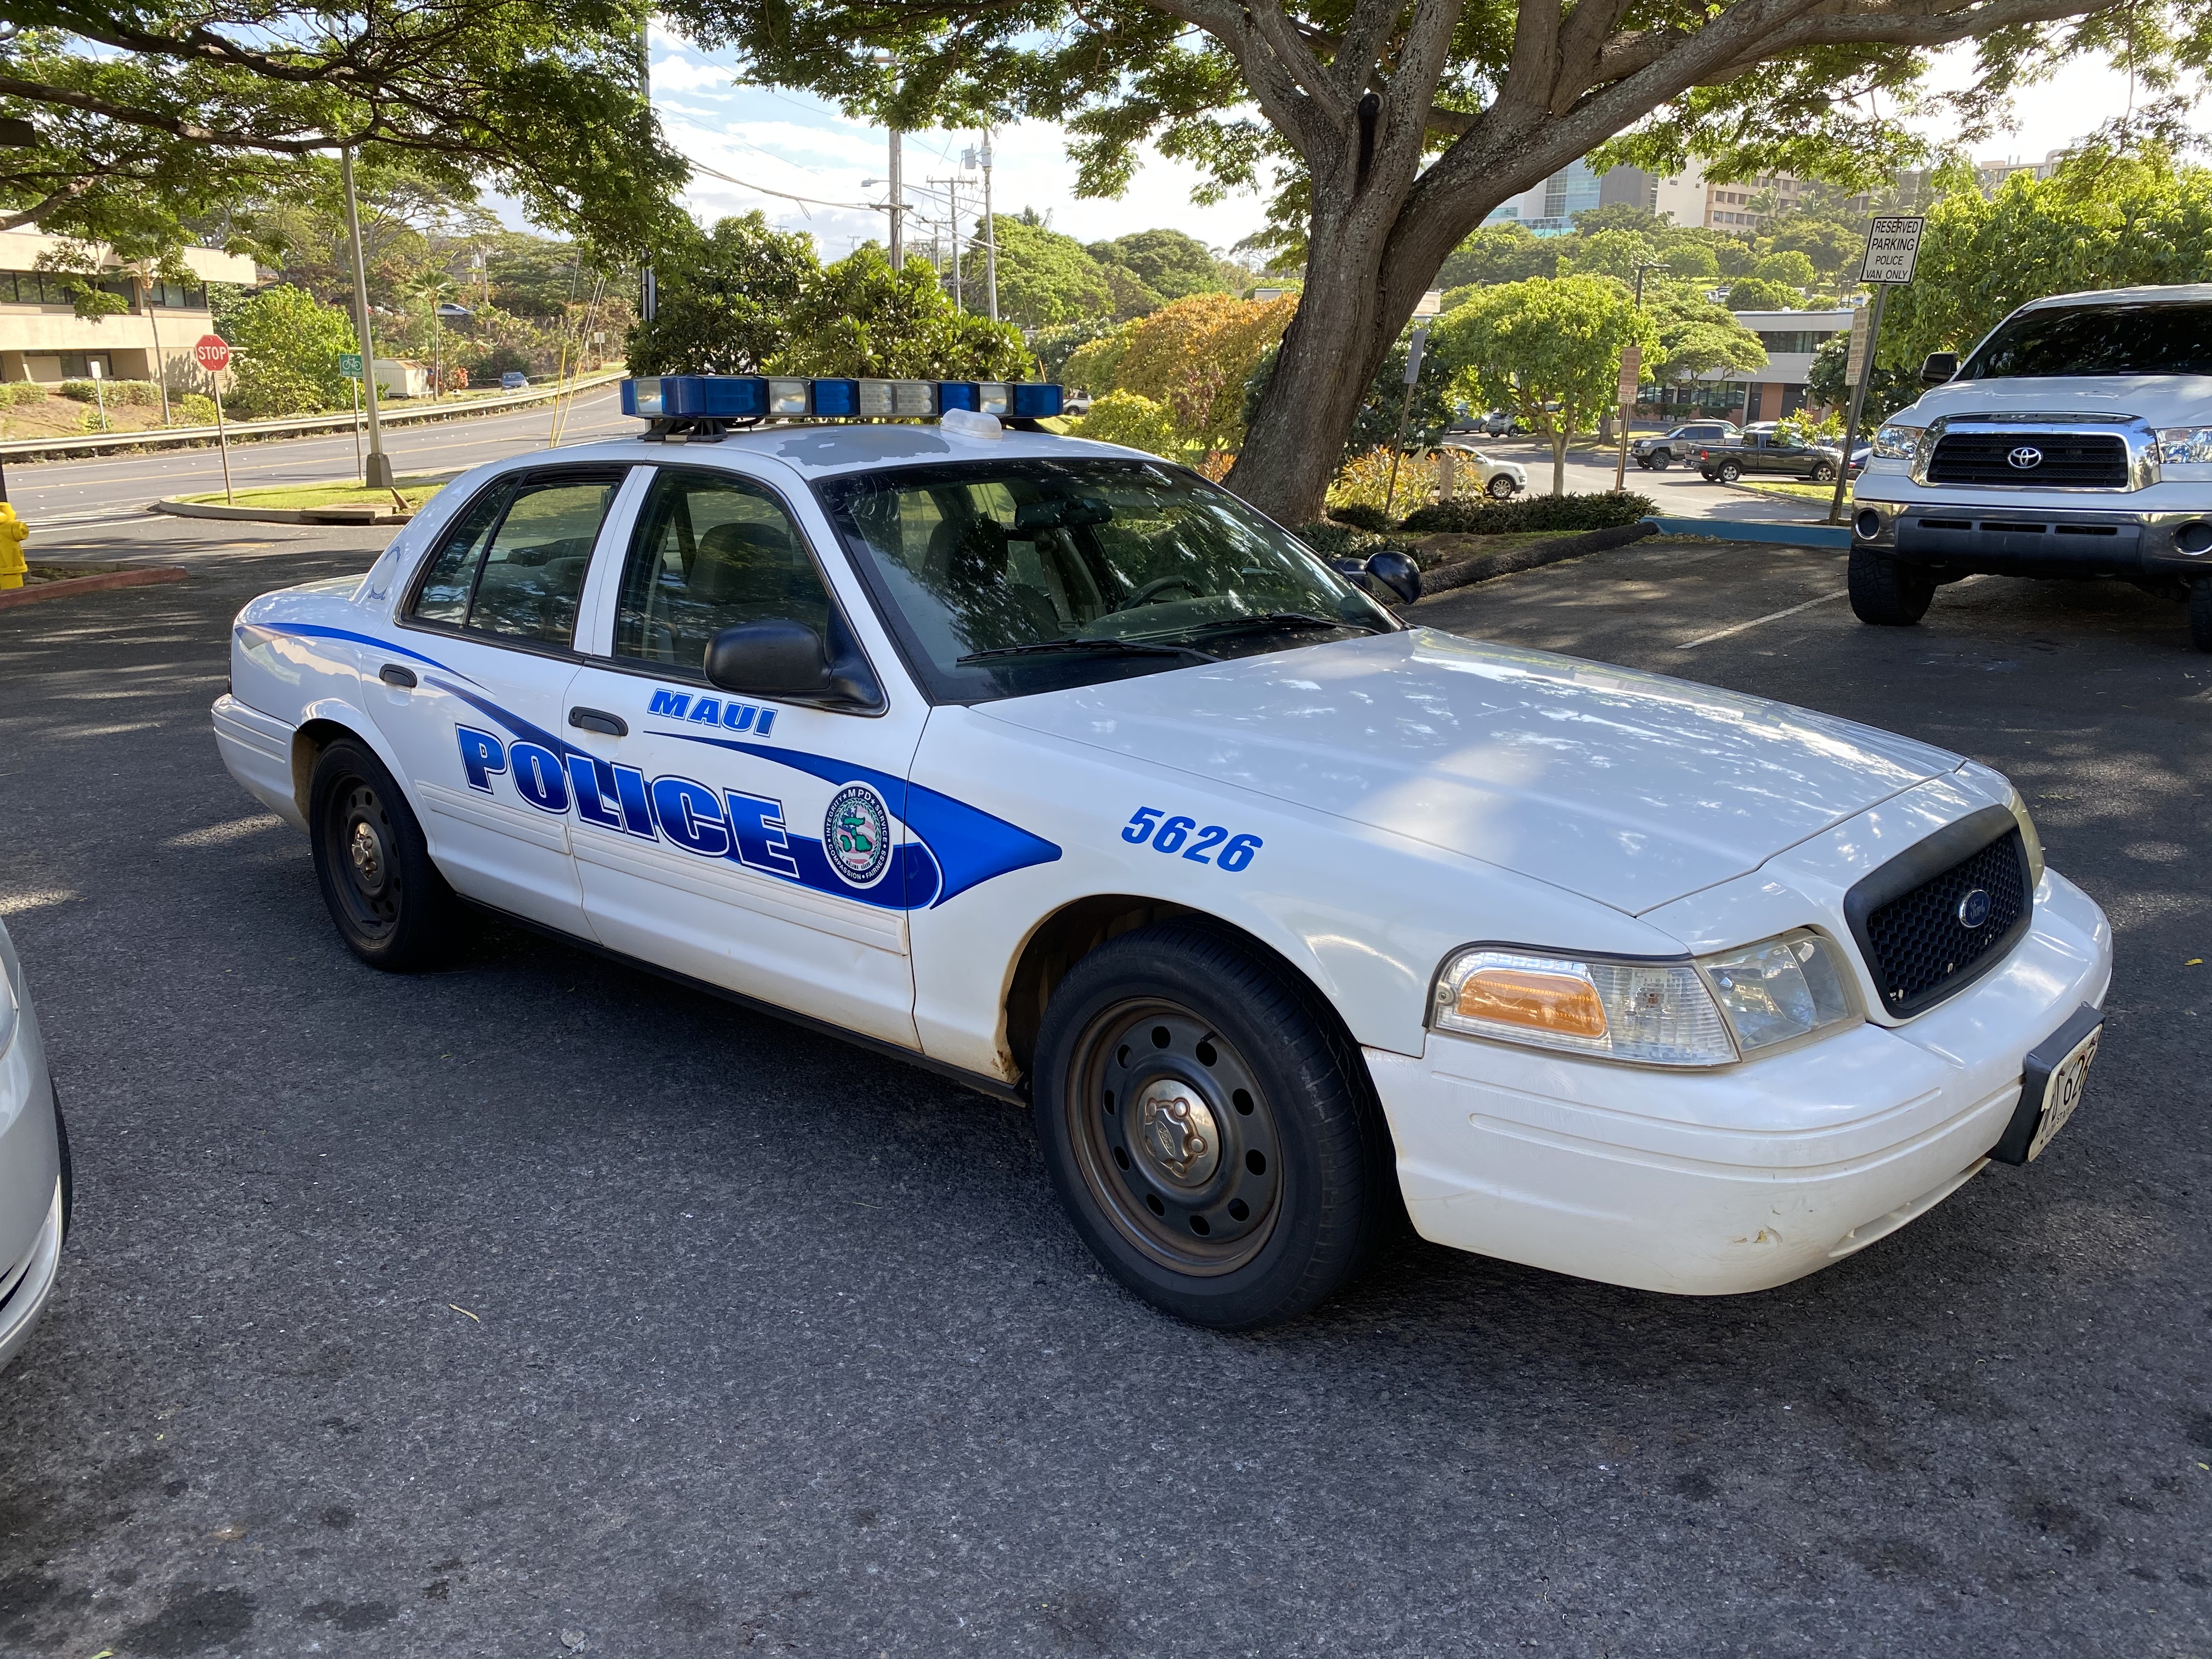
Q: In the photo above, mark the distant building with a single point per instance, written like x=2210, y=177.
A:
x=1791, y=338
x=1685, y=198
x=43, y=338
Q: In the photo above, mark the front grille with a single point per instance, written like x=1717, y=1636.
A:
x=1918, y=948
x=2070, y=461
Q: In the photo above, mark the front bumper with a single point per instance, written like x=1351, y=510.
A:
x=30, y=1183
x=1717, y=1183
x=24, y=1298
x=2024, y=536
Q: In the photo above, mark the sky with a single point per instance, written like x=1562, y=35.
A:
x=776, y=140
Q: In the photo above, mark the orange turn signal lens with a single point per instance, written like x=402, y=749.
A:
x=1558, y=1003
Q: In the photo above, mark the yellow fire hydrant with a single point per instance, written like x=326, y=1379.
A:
x=13, y=564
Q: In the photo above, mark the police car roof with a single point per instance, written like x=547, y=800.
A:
x=824, y=450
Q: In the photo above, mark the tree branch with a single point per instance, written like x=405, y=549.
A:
x=155, y=120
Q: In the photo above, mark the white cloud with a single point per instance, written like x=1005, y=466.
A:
x=681, y=75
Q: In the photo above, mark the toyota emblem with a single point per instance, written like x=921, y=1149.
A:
x=1973, y=909
x=2026, y=457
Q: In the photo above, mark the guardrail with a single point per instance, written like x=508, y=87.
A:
x=295, y=426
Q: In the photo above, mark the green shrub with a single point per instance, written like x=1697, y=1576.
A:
x=80, y=390
x=1480, y=516
x=142, y=393
x=1361, y=516
x=23, y=391
x=194, y=409
x=1342, y=541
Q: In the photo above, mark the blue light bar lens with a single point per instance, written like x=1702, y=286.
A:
x=737, y=396
x=1035, y=402
x=955, y=394
x=836, y=396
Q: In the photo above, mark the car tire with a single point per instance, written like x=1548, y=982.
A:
x=1823, y=473
x=1500, y=489
x=2200, y=616
x=1659, y=462
x=1727, y=471
x=393, y=908
x=1886, y=593
x=1211, y=1134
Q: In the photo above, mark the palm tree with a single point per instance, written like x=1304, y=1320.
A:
x=436, y=289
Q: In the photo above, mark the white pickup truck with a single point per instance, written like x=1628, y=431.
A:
x=2076, y=441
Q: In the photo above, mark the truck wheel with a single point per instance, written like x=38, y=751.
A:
x=1728, y=472
x=1886, y=593
x=1823, y=473
x=392, y=907
x=1213, y=1138
x=1659, y=462
x=2200, y=616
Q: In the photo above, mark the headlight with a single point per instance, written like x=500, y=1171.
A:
x=1707, y=1012
x=1897, y=443
x=1781, y=989
x=2185, y=445
x=2027, y=834
x=1658, y=1013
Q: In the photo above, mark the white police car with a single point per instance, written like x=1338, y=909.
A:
x=1050, y=766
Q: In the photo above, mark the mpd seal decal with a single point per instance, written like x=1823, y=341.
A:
x=857, y=831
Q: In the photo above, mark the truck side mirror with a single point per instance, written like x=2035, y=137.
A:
x=1941, y=366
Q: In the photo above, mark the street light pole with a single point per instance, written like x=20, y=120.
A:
x=990, y=233
x=1620, y=463
x=377, y=466
x=648, y=291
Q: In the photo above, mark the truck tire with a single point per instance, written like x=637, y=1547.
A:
x=1213, y=1134
x=1728, y=472
x=391, y=906
x=1661, y=461
x=1823, y=473
x=2200, y=616
x=1886, y=593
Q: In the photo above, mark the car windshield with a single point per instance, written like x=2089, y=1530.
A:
x=2111, y=339
x=1006, y=577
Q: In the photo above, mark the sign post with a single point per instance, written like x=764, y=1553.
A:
x=1893, y=251
x=1431, y=305
x=349, y=366
x=99, y=396
x=1631, y=376
x=212, y=353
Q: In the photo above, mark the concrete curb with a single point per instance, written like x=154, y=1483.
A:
x=181, y=437
x=146, y=575
x=1748, y=530
x=1444, y=578
x=323, y=515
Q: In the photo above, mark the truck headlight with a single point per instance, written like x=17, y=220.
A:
x=2029, y=838
x=1708, y=1011
x=2185, y=445
x=1897, y=443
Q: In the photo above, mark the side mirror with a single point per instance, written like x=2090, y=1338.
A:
x=788, y=661
x=1941, y=366
x=1397, y=573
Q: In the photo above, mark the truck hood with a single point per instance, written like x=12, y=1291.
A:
x=2160, y=399
x=1629, y=788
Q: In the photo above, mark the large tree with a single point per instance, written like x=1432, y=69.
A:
x=1394, y=126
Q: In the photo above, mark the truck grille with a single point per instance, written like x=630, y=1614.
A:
x=1917, y=944
x=2070, y=460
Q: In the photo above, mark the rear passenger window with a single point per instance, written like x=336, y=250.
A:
x=513, y=563
x=712, y=551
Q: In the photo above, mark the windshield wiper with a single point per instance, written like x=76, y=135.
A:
x=1127, y=648
x=1277, y=619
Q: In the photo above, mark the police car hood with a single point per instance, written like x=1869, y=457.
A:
x=1630, y=788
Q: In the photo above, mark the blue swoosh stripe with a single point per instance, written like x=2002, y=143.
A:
x=315, y=631
x=514, y=723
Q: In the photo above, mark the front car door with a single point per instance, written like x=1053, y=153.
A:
x=755, y=844
x=474, y=700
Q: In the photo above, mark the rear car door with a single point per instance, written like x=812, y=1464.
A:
x=755, y=844
x=474, y=698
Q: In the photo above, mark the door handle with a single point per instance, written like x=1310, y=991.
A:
x=597, y=719
x=392, y=674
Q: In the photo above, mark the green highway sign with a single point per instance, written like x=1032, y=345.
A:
x=350, y=364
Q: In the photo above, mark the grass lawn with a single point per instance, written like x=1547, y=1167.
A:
x=1811, y=492
x=347, y=493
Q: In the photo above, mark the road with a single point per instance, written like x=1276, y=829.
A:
x=1679, y=490
x=415, y=1317
x=108, y=489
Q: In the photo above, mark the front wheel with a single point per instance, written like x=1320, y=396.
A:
x=1886, y=593
x=2200, y=616
x=1501, y=487
x=1728, y=472
x=392, y=907
x=1211, y=1136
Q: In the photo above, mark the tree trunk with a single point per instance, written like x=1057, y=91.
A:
x=1559, y=438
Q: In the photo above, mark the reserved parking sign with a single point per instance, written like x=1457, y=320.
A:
x=1892, y=249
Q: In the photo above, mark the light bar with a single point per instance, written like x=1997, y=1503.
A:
x=752, y=396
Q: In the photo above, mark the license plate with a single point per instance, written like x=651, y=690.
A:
x=2052, y=1083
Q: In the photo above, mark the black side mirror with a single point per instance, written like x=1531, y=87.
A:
x=1397, y=573
x=1941, y=366
x=788, y=662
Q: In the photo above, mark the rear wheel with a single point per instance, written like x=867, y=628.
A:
x=1888, y=594
x=2200, y=616
x=1213, y=1138
x=1823, y=473
x=392, y=907
x=1728, y=472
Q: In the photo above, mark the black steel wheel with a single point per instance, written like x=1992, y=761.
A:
x=1886, y=593
x=1213, y=1137
x=2200, y=616
x=1728, y=472
x=392, y=907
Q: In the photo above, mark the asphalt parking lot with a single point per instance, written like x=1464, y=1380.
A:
x=534, y=1307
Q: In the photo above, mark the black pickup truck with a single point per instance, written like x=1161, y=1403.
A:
x=1767, y=452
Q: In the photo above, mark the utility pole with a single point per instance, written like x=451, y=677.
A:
x=376, y=471
x=990, y=223
x=648, y=291
x=898, y=202
x=1631, y=362
x=952, y=198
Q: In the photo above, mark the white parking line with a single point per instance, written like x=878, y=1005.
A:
x=1776, y=616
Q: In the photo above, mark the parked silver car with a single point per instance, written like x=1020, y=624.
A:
x=34, y=1167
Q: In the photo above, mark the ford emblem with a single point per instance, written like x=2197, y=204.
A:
x=2026, y=457
x=1973, y=909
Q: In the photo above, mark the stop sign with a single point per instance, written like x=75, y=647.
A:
x=212, y=353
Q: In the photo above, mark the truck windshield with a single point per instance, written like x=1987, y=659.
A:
x=2158, y=339
x=1005, y=578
